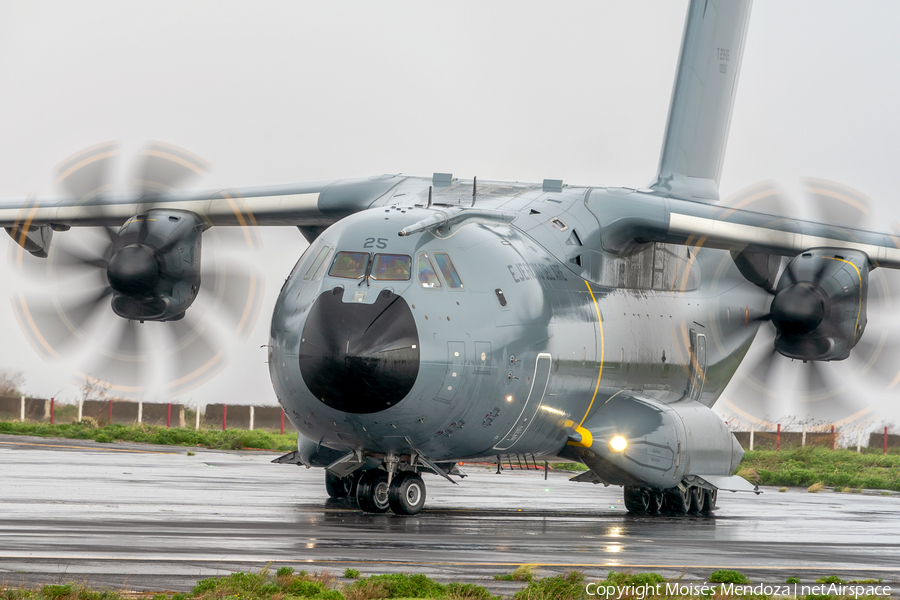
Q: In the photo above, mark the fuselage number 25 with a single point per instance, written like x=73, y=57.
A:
x=376, y=243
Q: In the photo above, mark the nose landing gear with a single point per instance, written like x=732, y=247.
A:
x=405, y=495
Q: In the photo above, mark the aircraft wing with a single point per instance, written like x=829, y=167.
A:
x=312, y=204
x=651, y=218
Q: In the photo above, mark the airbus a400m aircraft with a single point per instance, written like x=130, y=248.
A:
x=434, y=320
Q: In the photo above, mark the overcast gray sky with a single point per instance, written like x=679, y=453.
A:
x=277, y=92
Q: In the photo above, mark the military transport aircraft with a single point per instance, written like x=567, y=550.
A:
x=434, y=319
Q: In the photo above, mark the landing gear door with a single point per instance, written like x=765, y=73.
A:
x=698, y=365
x=535, y=397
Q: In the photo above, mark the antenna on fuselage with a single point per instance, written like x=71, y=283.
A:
x=429, y=197
x=474, y=188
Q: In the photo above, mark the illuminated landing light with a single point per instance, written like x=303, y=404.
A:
x=618, y=443
x=509, y=398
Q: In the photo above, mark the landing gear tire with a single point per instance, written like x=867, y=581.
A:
x=657, y=502
x=698, y=500
x=637, y=500
x=709, y=501
x=678, y=502
x=406, y=495
x=372, y=491
x=337, y=487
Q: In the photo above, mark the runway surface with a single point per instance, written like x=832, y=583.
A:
x=151, y=518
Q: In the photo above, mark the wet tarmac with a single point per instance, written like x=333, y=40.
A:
x=151, y=518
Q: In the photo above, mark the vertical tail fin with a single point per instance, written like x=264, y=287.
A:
x=700, y=112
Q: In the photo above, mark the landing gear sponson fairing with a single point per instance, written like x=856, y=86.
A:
x=434, y=320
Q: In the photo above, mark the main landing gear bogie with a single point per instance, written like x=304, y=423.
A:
x=405, y=495
x=675, y=501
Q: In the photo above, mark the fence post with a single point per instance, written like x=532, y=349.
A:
x=832, y=436
x=778, y=438
x=252, y=415
x=80, y=410
x=224, y=415
x=22, y=409
x=885, y=441
x=140, y=418
x=169, y=415
x=197, y=419
x=181, y=423
x=803, y=437
x=282, y=421
x=52, y=401
x=110, y=412
x=858, y=439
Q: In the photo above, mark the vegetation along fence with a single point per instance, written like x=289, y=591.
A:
x=827, y=436
x=23, y=408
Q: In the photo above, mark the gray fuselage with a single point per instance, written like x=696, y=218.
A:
x=542, y=332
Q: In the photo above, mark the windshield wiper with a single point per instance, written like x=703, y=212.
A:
x=368, y=272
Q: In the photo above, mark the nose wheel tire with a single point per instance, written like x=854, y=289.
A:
x=337, y=487
x=372, y=492
x=709, y=501
x=407, y=493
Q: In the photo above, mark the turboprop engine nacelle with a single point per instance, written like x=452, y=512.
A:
x=154, y=268
x=639, y=441
x=819, y=308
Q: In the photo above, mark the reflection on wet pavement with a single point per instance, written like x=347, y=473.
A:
x=171, y=515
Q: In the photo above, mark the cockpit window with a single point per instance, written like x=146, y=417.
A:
x=448, y=270
x=317, y=263
x=322, y=267
x=392, y=267
x=351, y=265
x=427, y=277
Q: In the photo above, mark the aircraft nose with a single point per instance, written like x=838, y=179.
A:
x=359, y=358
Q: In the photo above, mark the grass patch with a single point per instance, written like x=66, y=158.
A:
x=351, y=573
x=288, y=584
x=522, y=573
x=402, y=585
x=816, y=488
x=572, y=466
x=803, y=467
x=230, y=439
x=571, y=586
x=559, y=587
x=831, y=579
x=728, y=576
